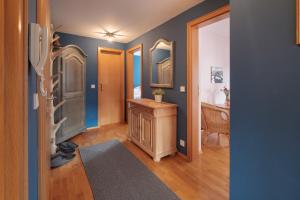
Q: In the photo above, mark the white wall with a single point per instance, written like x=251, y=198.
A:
x=214, y=50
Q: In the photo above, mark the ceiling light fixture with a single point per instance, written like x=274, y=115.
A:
x=110, y=39
x=110, y=35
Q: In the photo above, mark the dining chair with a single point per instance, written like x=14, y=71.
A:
x=214, y=120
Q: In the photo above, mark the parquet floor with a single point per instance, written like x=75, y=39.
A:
x=206, y=178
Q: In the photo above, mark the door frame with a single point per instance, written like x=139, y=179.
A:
x=130, y=71
x=193, y=76
x=298, y=22
x=13, y=99
x=2, y=113
x=120, y=52
x=44, y=18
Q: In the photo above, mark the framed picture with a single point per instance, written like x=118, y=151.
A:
x=298, y=21
x=217, y=75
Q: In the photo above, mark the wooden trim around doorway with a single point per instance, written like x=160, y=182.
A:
x=13, y=100
x=130, y=71
x=298, y=21
x=122, y=53
x=2, y=101
x=192, y=76
x=44, y=19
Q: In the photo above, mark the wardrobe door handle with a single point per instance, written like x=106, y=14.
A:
x=52, y=98
x=101, y=87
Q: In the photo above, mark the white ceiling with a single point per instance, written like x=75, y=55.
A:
x=131, y=18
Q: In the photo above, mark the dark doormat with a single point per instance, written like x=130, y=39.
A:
x=116, y=174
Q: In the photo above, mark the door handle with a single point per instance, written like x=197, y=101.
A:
x=51, y=98
x=101, y=87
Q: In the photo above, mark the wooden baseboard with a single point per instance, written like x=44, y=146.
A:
x=92, y=129
x=185, y=157
x=103, y=127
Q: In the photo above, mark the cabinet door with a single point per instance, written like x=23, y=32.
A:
x=147, y=131
x=135, y=124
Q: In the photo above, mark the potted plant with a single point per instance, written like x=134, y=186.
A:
x=158, y=93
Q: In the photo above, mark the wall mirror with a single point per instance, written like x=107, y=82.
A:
x=162, y=64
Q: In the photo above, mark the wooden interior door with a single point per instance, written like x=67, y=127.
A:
x=111, y=99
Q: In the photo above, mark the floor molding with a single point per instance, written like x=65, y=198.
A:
x=183, y=156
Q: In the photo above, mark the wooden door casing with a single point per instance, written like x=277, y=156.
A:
x=111, y=100
x=193, y=116
x=129, y=74
x=130, y=70
x=13, y=100
x=2, y=98
x=44, y=19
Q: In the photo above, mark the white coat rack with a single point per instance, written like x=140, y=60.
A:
x=55, y=80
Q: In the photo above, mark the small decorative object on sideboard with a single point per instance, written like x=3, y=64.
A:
x=227, y=94
x=158, y=94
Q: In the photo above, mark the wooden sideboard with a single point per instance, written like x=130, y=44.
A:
x=153, y=127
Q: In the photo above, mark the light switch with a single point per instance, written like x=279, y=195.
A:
x=36, y=101
x=93, y=86
x=182, y=88
x=182, y=143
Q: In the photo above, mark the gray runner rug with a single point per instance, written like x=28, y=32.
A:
x=116, y=174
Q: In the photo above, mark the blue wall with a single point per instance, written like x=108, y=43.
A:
x=137, y=71
x=32, y=121
x=90, y=47
x=175, y=30
x=265, y=84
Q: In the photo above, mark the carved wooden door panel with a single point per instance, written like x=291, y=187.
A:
x=147, y=131
x=135, y=124
x=73, y=91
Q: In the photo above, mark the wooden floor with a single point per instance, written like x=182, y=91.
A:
x=205, y=178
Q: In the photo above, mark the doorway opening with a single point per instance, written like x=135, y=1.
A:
x=214, y=83
x=137, y=90
x=208, y=79
x=134, y=71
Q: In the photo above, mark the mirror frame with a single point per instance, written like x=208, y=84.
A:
x=156, y=85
